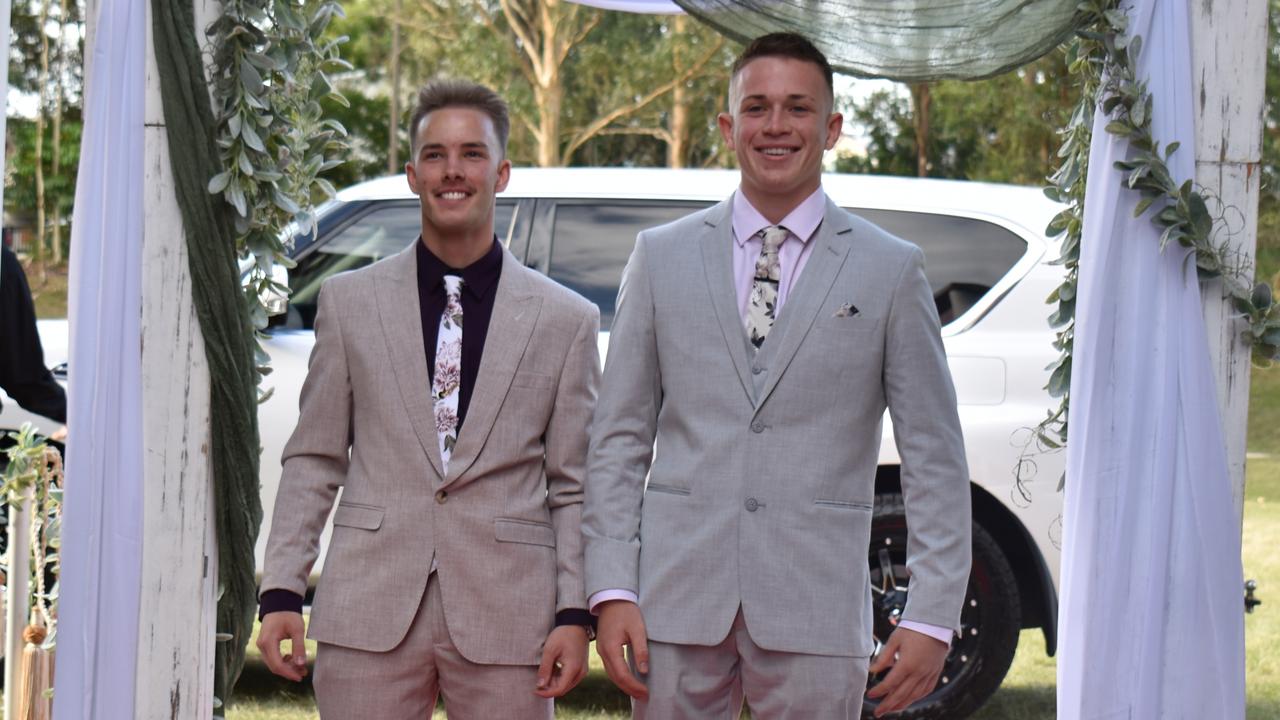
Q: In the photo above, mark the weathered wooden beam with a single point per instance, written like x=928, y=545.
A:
x=179, y=565
x=1228, y=60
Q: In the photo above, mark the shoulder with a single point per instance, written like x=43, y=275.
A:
x=872, y=240
x=402, y=265
x=681, y=230
x=556, y=298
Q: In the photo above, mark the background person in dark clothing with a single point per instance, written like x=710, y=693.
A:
x=23, y=374
x=22, y=371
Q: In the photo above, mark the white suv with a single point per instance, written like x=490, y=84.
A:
x=987, y=259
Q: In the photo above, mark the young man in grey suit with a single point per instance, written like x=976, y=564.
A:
x=755, y=349
x=448, y=395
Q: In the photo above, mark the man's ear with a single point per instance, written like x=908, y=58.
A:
x=725, y=122
x=834, y=125
x=504, y=175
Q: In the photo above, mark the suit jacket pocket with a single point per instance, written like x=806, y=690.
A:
x=844, y=504
x=524, y=531
x=669, y=489
x=537, y=381
x=365, y=517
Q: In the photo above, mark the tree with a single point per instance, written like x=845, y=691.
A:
x=1003, y=129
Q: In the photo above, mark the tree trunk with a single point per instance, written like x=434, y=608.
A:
x=393, y=124
x=39, y=255
x=60, y=71
x=920, y=117
x=677, y=146
x=549, y=91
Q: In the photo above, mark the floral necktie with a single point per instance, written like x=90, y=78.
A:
x=447, y=380
x=763, y=308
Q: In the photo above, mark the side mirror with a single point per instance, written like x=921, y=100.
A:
x=274, y=300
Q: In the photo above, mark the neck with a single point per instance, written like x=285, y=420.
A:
x=458, y=251
x=774, y=206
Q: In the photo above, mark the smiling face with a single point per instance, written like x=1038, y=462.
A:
x=457, y=168
x=779, y=123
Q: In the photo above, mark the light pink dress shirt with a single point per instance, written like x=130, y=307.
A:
x=803, y=222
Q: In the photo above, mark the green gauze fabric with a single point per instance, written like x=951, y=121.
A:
x=224, y=323
x=907, y=41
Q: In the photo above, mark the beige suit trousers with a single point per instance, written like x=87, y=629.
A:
x=710, y=682
x=403, y=684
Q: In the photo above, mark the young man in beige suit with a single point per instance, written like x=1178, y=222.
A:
x=733, y=455
x=448, y=395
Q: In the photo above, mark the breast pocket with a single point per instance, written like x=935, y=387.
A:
x=533, y=381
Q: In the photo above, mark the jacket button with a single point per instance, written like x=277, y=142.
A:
x=442, y=496
x=752, y=505
x=756, y=369
x=757, y=427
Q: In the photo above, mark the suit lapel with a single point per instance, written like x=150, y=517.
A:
x=833, y=239
x=401, y=317
x=515, y=312
x=717, y=262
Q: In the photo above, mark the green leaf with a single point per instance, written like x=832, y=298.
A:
x=219, y=182
x=1119, y=127
x=284, y=202
x=1261, y=296
x=1143, y=204
x=246, y=167
x=1172, y=148
x=250, y=78
x=1201, y=221
x=251, y=138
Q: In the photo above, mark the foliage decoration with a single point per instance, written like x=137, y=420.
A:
x=34, y=474
x=269, y=75
x=1104, y=57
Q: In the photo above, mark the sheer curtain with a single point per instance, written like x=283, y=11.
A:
x=102, y=525
x=1151, y=621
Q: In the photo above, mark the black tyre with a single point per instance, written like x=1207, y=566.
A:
x=990, y=621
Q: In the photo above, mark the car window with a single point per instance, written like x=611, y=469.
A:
x=963, y=257
x=592, y=241
x=383, y=230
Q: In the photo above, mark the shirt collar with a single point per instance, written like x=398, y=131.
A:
x=478, y=278
x=802, y=221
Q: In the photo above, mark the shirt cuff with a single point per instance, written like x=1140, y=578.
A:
x=937, y=632
x=279, y=601
x=612, y=594
x=575, y=616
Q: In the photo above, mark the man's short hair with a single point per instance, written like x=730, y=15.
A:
x=439, y=94
x=785, y=45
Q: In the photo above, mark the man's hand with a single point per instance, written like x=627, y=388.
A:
x=622, y=624
x=564, y=661
x=276, y=627
x=916, y=660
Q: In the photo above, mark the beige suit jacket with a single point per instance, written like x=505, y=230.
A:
x=503, y=525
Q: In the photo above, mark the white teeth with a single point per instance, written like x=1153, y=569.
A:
x=453, y=195
x=777, y=151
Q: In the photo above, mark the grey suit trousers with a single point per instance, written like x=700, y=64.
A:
x=710, y=682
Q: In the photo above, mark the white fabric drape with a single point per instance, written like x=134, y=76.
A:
x=1150, y=622
x=647, y=7
x=102, y=525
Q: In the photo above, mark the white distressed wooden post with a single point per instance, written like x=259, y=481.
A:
x=179, y=568
x=1228, y=59
x=17, y=592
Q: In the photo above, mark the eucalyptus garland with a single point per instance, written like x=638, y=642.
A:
x=1103, y=57
x=269, y=75
x=272, y=144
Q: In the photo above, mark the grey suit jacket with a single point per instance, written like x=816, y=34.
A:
x=503, y=525
x=761, y=483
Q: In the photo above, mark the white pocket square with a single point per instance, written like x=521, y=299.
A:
x=846, y=310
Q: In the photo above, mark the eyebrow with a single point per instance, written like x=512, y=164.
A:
x=474, y=144
x=792, y=96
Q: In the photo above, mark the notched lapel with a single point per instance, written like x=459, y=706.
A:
x=716, y=246
x=834, y=237
x=515, y=313
x=401, y=317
